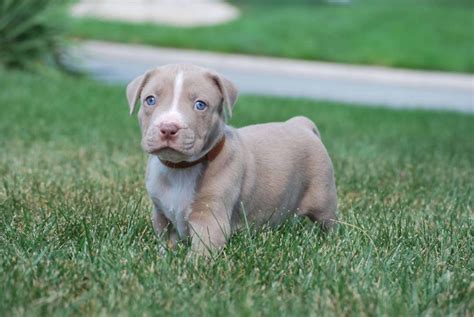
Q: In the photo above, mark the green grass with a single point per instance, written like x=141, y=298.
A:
x=429, y=34
x=76, y=237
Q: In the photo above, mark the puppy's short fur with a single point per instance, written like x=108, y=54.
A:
x=260, y=173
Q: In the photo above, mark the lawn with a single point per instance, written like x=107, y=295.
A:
x=422, y=34
x=76, y=237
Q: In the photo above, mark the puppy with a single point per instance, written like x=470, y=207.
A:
x=206, y=179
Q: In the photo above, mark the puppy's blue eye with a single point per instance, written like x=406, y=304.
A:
x=200, y=105
x=150, y=101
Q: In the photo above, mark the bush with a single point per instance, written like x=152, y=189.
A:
x=29, y=33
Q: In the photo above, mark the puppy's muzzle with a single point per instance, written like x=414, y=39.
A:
x=168, y=135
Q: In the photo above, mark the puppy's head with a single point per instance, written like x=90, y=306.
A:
x=183, y=110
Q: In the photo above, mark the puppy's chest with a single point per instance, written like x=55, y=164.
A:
x=172, y=190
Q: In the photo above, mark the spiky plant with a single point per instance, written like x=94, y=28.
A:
x=29, y=34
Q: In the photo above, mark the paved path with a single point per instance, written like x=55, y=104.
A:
x=376, y=86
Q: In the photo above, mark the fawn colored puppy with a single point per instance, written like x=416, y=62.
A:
x=207, y=179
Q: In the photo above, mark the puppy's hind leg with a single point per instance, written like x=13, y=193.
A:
x=319, y=204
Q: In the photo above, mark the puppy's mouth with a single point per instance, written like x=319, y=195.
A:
x=170, y=152
x=175, y=149
x=164, y=148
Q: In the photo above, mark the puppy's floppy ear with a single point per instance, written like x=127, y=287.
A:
x=134, y=89
x=229, y=93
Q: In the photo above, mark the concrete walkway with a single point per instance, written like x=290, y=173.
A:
x=378, y=86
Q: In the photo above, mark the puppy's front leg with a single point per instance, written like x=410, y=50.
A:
x=163, y=227
x=209, y=226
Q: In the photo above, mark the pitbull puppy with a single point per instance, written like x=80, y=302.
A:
x=206, y=179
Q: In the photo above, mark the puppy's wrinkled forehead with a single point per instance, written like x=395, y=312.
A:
x=176, y=86
x=179, y=86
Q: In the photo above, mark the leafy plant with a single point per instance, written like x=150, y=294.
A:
x=29, y=33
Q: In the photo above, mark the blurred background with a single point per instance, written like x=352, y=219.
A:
x=89, y=36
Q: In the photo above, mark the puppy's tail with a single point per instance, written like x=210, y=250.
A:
x=307, y=123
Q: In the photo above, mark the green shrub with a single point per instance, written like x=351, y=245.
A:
x=30, y=34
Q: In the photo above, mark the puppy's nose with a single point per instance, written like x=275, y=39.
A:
x=168, y=130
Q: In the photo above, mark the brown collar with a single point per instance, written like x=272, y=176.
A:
x=210, y=156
